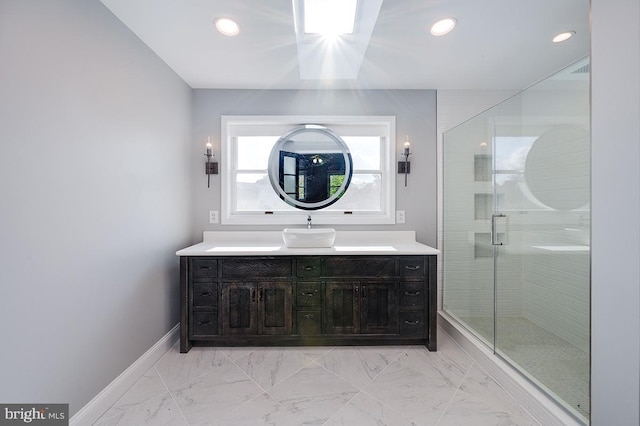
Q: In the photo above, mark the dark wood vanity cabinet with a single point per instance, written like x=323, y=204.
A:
x=308, y=300
x=361, y=308
x=250, y=308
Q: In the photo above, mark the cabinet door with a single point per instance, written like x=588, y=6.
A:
x=275, y=308
x=379, y=306
x=342, y=308
x=239, y=308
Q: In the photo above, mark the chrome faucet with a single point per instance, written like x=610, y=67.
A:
x=309, y=222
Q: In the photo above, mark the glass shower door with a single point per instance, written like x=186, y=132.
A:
x=541, y=231
x=516, y=221
x=468, y=205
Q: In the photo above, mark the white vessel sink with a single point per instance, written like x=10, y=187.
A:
x=309, y=238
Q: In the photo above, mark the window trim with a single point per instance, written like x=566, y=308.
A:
x=230, y=126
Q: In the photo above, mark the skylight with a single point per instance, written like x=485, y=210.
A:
x=329, y=17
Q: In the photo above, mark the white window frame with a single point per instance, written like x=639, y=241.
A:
x=233, y=126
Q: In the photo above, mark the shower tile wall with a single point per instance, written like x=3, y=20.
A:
x=555, y=198
x=556, y=290
x=545, y=286
x=467, y=224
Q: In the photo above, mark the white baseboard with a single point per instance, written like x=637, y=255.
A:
x=534, y=400
x=109, y=395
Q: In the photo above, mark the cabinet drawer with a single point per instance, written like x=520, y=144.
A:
x=250, y=267
x=412, y=267
x=412, y=323
x=309, y=322
x=306, y=268
x=377, y=266
x=308, y=294
x=412, y=294
x=204, y=323
x=204, y=267
x=205, y=294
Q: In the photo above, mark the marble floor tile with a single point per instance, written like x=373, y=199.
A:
x=420, y=398
x=391, y=352
x=269, y=366
x=149, y=386
x=235, y=353
x=315, y=352
x=213, y=395
x=447, y=364
x=365, y=410
x=313, y=394
x=357, y=365
x=160, y=410
x=483, y=401
x=176, y=368
x=259, y=411
x=332, y=386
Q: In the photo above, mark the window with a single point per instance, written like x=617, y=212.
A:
x=247, y=195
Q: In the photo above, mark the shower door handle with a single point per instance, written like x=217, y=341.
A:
x=494, y=233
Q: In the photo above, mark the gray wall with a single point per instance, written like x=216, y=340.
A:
x=615, y=334
x=94, y=182
x=415, y=112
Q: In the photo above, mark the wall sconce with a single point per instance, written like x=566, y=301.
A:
x=405, y=166
x=211, y=168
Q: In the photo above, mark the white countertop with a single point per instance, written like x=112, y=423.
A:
x=270, y=243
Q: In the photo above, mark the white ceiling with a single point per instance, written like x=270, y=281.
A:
x=497, y=44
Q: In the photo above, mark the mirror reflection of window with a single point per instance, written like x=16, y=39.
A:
x=290, y=174
x=318, y=176
x=335, y=181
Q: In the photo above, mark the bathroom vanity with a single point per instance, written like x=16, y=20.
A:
x=248, y=288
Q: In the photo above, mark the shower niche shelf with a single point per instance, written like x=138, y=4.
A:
x=482, y=168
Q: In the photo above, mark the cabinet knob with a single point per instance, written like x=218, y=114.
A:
x=204, y=322
x=412, y=293
x=416, y=322
x=310, y=294
x=309, y=268
x=412, y=267
x=309, y=316
x=205, y=294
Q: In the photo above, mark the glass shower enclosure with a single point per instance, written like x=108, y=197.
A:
x=516, y=228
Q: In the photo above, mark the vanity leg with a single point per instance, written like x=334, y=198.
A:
x=432, y=282
x=185, y=344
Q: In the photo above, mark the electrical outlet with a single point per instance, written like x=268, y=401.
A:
x=400, y=216
x=213, y=216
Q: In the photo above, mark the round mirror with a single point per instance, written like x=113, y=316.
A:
x=310, y=167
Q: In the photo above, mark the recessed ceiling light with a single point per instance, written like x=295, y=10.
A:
x=227, y=26
x=563, y=36
x=329, y=17
x=443, y=26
